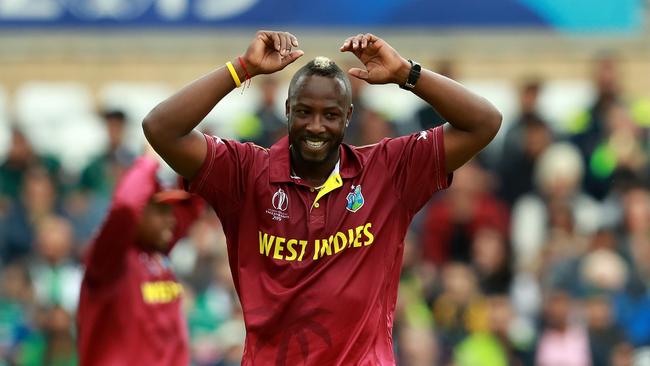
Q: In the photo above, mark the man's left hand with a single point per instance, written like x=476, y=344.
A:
x=382, y=63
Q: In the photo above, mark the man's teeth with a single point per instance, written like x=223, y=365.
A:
x=314, y=144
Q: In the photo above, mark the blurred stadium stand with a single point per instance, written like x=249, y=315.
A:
x=64, y=62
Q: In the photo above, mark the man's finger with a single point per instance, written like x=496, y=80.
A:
x=276, y=41
x=346, y=44
x=375, y=44
x=356, y=42
x=267, y=38
x=283, y=44
x=371, y=37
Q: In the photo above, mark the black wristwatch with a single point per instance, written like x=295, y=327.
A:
x=413, y=77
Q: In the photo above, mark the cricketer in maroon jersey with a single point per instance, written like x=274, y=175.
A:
x=315, y=228
x=130, y=302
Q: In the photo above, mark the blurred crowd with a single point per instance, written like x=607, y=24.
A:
x=538, y=254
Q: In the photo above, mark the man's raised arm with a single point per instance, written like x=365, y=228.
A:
x=473, y=120
x=169, y=127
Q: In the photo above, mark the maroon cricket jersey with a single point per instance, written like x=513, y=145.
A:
x=130, y=303
x=318, y=278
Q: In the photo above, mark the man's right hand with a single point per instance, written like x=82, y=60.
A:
x=271, y=51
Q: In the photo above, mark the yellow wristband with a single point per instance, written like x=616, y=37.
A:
x=233, y=73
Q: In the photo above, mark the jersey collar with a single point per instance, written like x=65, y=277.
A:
x=280, y=162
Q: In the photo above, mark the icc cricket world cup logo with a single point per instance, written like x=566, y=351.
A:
x=280, y=200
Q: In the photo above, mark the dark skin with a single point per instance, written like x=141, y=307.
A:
x=156, y=227
x=169, y=128
x=318, y=111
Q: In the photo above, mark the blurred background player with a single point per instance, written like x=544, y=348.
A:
x=130, y=302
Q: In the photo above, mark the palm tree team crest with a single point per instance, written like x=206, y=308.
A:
x=355, y=199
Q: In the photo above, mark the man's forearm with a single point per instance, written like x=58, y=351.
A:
x=169, y=126
x=179, y=114
x=474, y=121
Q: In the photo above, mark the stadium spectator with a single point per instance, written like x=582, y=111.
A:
x=21, y=158
x=373, y=127
x=16, y=308
x=101, y=174
x=414, y=325
x=632, y=315
x=492, y=260
x=452, y=221
x=525, y=140
x=50, y=342
x=558, y=174
x=265, y=126
x=490, y=345
x=55, y=274
x=398, y=177
x=458, y=309
x=606, y=135
x=563, y=341
x=604, y=335
x=38, y=200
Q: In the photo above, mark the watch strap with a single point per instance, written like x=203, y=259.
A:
x=414, y=75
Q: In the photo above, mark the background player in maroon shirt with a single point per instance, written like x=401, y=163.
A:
x=130, y=303
x=315, y=228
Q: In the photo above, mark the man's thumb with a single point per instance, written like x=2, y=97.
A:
x=359, y=73
x=293, y=56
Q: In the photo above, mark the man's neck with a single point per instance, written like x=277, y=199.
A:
x=315, y=174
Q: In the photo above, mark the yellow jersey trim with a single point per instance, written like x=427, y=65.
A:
x=333, y=182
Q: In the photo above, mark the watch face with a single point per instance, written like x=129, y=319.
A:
x=107, y=9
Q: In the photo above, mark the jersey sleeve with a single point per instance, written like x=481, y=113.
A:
x=416, y=164
x=107, y=252
x=221, y=180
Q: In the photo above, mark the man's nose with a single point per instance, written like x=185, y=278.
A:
x=315, y=125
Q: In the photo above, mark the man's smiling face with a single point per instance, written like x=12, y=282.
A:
x=318, y=112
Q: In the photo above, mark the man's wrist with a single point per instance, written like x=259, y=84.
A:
x=413, y=76
x=241, y=73
x=402, y=73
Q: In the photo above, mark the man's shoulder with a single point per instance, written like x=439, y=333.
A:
x=386, y=146
x=369, y=149
x=241, y=147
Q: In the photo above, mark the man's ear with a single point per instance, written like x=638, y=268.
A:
x=348, y=117
x=286, y=108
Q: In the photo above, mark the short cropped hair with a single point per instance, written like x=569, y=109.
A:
x=321, y=66
x=114, y=115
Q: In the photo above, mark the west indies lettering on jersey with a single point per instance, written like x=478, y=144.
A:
x=317, y=270
x=278, y=247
